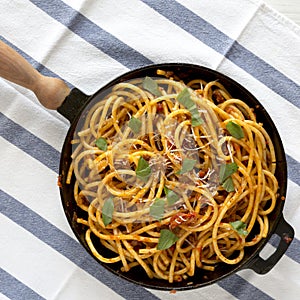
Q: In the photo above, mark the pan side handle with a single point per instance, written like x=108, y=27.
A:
x=73, y=104
x=51, y=92
x=286, y=234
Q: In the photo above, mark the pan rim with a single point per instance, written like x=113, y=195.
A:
x=245, y=262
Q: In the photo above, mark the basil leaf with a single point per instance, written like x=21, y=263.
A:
x=196, y=120
x=184, y=98
x=167, y=239
x=107, y=211
x=151, y=86
x=143, y=170
x=172, y=197
x=187, y=165
x=101, y=143
x=227, y=170
x=228, y=185
x=239, y=227
x=157, y=209
x=135, y=125
x=235, y=130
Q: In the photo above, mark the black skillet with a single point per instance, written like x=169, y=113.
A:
x=74, y=108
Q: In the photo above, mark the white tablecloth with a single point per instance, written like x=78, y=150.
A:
x=87, y=43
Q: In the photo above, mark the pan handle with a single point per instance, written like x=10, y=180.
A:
x=286, y=234
x=73, y=104
x=51, y=92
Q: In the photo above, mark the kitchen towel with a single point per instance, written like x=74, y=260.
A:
x=87, y=43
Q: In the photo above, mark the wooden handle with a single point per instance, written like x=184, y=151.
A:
x=51, y=92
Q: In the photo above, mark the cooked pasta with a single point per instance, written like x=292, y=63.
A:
x=173, y=177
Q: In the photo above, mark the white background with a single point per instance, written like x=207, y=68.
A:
x=289, y=8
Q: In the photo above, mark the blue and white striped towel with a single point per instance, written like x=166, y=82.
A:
x=87, y=43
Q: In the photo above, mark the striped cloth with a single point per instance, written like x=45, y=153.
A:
x=87, y=43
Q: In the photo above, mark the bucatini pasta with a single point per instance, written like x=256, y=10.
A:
x=173, y=176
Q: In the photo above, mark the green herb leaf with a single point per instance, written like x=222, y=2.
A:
x=135, y=125
x=184, y=98
x=172, y=197
x=143, y=170
x=101, y=143
x=151, y=86
x=196, y=120
x=187, y=165
x=228, y=185
x=227, y=170
x=107, y=211
x=235, y=130
x=166, y=240
x=239, y=227
x=157, y=209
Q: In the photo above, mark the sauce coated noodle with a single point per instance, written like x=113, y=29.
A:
x=173, y=185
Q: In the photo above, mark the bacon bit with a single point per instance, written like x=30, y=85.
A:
x=287, y=238
x=236, y=146
x=136, y=245
x=282, y=198
x=82, y=200
x=59, y=184
x=180, y=218
x=146, y=157
x=159, y=108
x=229, y=110
x=173, y=292
x=172, y=248
x=218, y=97
x=178, y=278
x=202, y=173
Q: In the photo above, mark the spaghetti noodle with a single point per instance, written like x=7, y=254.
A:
x=173, y=177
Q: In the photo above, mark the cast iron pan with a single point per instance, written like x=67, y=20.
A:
x=72, y=108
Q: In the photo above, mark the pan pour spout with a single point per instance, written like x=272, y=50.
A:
x=51, y=92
